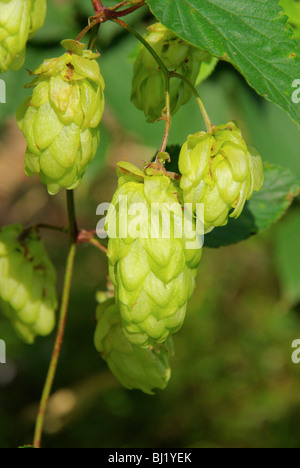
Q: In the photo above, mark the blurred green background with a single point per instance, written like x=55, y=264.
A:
x=233, y=382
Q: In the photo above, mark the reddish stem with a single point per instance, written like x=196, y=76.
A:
x=119, y=5
x=97, y=4
x=98, y=245
x=167, y=117
x=118, y=14
x=104, y=14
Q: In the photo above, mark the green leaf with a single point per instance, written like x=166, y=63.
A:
x=251, y=34
x=266, y=207
x=287, y=259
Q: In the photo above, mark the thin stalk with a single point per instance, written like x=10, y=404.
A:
x=57, y=348
x=208, y=123
x=97, y=4
x=119, y=5
x=73, y=232
x=37, y=227
x=50, y=227
x=87, y=29
x=167, y=117
x=73, y=229
x=129, y=10
x=128, y=28
x=93, y=38
x=104, y=14
x=98, y=245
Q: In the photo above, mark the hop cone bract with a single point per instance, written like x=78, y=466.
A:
x=134, y=367
x=219, y=170
x=19, y=19
x=27, y=283
x=61, y=120
x=153, y=271
x=149, y=87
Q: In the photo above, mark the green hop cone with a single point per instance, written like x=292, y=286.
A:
x=37, y=16
x=27, y=283
x=14, y=31
x=153, y=271
x=143, y=369
x=61, y=120
x=220, y=171
x=19, y=20
x=148, y=86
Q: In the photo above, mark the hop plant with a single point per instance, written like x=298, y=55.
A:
x=19, y=20
x=27, y=283
x=153, y=272
x=149, y=87
x=143, y=369
x=220, y=171
x=61, y=120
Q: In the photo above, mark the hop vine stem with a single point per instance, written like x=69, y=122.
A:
x=130, y=29
x=127, y=11
x=98, y=245
x=208, y=123
x=63, y=230
x=167, y=117
x=73, y=232
x=103, y=14
x=73, y=228
x=97, y=4
x=119, y=5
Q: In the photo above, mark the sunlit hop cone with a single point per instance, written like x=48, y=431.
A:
x=134, y=367
x=219, y=170
x=19, y=19
x=27, y=283
x=61, y=120
x=153, y=270
x=149, y=88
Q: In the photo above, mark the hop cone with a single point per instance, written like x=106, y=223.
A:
x=220, y=171
x=37, y=16
x=19, y=19
x=61, y=119
x=144, y=369
x=149, y=88
x=153, y=275
x=27, y=283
